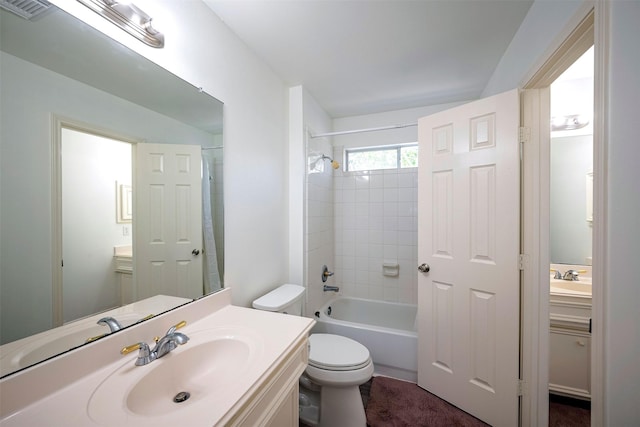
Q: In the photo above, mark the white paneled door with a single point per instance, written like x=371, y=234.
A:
x=469, y=228
x=168, y=220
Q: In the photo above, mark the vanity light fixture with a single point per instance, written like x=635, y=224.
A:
x=570, y=122
x=128, y=17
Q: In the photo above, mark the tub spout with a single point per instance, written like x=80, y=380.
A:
x=328, y=288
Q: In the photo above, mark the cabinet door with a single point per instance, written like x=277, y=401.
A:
x=287, y=413
x=127, y=293
x=569, y=367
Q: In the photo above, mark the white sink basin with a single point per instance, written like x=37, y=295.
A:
x=208, y=366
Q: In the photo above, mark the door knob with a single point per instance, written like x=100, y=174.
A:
x=195, y=252
x=424, y=268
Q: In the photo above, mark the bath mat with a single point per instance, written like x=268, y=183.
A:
x=396, y=403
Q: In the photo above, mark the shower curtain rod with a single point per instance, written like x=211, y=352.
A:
x=346, y=132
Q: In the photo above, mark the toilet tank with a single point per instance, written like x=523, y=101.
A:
x=284, y=299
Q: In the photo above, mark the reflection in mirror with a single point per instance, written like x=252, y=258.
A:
x=66, y=92
x=572, y=165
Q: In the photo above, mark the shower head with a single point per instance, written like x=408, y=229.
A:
x=334, y=164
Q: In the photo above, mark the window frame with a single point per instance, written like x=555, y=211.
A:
x=397, y=147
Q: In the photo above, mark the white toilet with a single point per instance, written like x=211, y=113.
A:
x=329, y=387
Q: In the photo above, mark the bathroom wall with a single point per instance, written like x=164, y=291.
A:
x=621, y=316
x=376, y=222
x=319, y=227
x=318, y=203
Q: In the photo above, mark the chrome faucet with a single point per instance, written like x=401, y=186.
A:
x=571, y=275
x=169, y=342
x=112, y=323
x=328, y=288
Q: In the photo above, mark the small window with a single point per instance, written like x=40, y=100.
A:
x=387, y=157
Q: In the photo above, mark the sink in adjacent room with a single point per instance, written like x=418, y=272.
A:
x=211, y=364
x=581, y=287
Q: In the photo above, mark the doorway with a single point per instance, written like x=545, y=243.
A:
x=96, y=220
x=536, y=137
x=91, y=166
x=570, y=241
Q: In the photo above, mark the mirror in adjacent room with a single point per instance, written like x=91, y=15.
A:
x=61, y=77
x=571, y=167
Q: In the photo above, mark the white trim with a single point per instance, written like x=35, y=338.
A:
x=547, y=61
x=600, y=239
x=535, y=238
x=535, y=347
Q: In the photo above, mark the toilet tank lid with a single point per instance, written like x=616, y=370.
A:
x=279, y=298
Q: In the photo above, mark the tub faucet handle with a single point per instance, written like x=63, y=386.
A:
x=326, y=273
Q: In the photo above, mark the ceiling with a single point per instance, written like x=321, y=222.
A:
x=360, y=57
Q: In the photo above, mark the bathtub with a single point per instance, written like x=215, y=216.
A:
x=387, y=329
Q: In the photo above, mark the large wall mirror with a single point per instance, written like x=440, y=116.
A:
x=571, y=164
x=76, y=110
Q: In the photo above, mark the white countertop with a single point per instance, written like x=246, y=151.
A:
x=67, y=403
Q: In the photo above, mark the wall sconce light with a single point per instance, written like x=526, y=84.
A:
x=571, y=122
x=128, y=17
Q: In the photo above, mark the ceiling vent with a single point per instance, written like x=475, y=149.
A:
x=27, y=9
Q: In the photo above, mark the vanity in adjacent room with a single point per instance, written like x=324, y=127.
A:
x=570, y=332
x=571, y=232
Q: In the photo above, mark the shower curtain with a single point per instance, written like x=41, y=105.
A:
x=211, y=272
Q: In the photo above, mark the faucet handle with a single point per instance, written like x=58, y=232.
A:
x=176, y=327
x=571, y=275
x=144, y=356
x=147, y=317
x=92, y=339
x=172, y=329
x=133, y=347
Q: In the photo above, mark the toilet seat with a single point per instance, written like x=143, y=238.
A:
x=337, y=353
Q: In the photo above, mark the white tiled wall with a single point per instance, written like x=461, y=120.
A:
x=319, y=232
x=375, y=215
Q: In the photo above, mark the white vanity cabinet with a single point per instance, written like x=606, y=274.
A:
x=570, y=345
x=256, y=360
x=123, y=263
x=274, y=403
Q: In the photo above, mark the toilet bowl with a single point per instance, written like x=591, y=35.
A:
x=329, y=387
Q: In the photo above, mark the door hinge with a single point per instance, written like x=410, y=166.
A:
x=521, y=387
x=524, y=134
x=523, y=261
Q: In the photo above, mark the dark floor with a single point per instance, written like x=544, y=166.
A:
x=568, y=412
x=563, y=411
